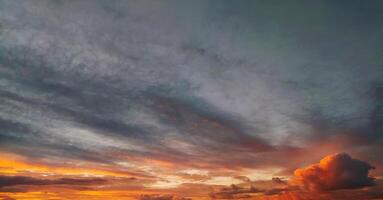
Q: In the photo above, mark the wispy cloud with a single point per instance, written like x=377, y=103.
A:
x=155, y=90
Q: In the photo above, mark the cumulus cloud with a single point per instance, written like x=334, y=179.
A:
x=323, y=180
x=335, y=172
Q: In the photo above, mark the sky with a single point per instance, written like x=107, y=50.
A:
x=182, y=100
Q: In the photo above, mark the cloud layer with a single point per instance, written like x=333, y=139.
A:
x=180, y=96
x=6, y=181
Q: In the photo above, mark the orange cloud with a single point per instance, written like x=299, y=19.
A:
x=23, y=179
x=11, y=164
x=156, y=197
x=334, y=172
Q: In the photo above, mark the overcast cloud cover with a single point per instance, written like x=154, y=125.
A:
x=195, y=84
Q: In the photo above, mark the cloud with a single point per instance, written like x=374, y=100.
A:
x=248, y=190
x=278, y=180
x=220, y=92
x=6, y=198
x=161, y=197
x=6, y=181
x=155, y=197
x=335, y=172
x=323, y=180
x=235, y=191
x=11, y=131
x=243, y=178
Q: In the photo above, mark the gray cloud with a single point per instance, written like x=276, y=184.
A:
x=248, y=77
x=6, y=181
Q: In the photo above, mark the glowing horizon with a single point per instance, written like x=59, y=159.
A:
x=191, y=100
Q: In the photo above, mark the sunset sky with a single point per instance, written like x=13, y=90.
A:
x=191, y=99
